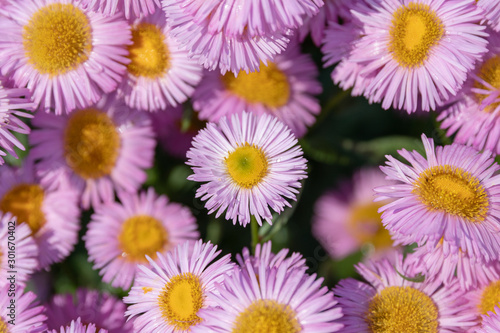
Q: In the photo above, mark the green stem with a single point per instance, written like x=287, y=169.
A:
x=255, y=233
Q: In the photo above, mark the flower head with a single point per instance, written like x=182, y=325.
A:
x=390, y=302
x=248, y=163
x=100, y=149
x=169, y=296
x=271, y=297
x=67, y=55
x=347, y=219
x=160, y=73
x=449, y=196
x=51, y=214
x=284, y=88
x=120, y=235
x=415, y=54
x=474, y=114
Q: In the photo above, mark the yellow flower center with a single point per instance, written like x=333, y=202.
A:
x=3, y=327
x=415, y=30
x=180, y=301
x=91, y=143
x=57, y=39
x=365, y=224
x=247, y=165
x=269, y=86
x=489, y=72
x=454, y=191
x=264, y=315
x=148, y=53
x=490, y=298
x=142, y=235
x=25, y=201
x=402, y=309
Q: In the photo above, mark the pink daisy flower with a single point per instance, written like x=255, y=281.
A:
x=347, y=220
x=129, y=7
x=120, y=235
x=65, y=54
x=168, y=126
x=100, y=149
x=11, y=100
x=452, y=195
x=448, y=266
x=24, y=314
x=485, y=299
x=52, y=214
x=248, y=164
x=417, y=54
x=474, y=116
x=90, y=306
x=491, y=11
x=285, y=88
x=18, y=250
x=170, y=296
x=160, y=73
x=196, y=25
x=490, y=322
x=258, y=297
x=76, y=326
x=391, y=303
